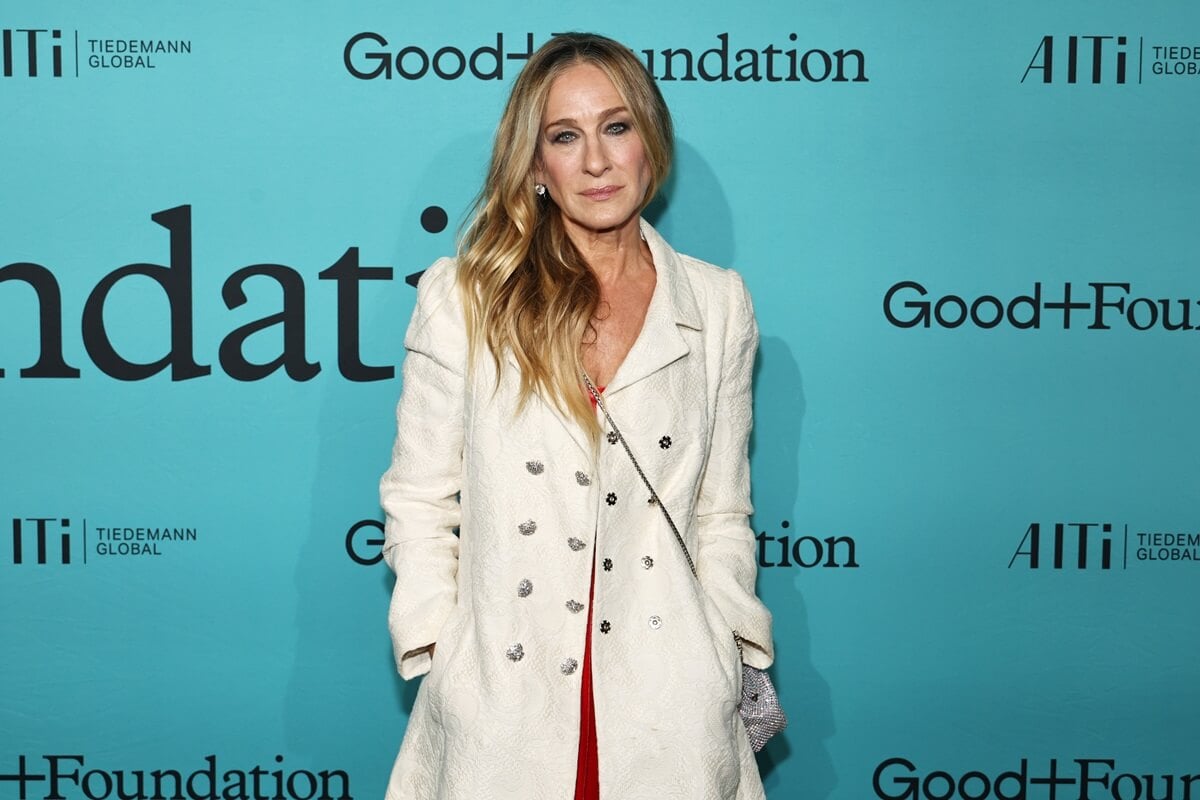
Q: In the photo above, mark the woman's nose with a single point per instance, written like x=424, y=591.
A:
x=595, y=158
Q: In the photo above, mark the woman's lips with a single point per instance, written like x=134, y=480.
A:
x=601, y=192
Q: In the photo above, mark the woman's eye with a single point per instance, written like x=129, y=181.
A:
x=618, y=127
x=563, y=137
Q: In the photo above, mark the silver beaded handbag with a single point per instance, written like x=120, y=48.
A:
x=760, y=710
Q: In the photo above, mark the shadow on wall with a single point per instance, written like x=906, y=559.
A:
x=693, y=214
x=779, y=409
x=690, y=210
x=344, y=693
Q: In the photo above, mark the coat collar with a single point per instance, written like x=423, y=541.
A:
x=672, y=305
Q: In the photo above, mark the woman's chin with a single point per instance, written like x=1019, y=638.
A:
x=599, y=224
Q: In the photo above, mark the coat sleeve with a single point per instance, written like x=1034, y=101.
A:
x=419, y=491
x=725, y=561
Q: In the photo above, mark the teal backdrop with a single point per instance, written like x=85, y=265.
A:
x=970, y=231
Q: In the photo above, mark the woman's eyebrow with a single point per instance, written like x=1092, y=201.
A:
x=571, y=120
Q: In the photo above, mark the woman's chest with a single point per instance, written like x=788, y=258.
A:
x=619, y=320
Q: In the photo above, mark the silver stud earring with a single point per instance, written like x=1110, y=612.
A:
x=540, y=188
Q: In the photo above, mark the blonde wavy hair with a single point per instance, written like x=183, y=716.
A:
x=526, y=288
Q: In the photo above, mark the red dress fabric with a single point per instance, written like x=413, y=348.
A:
x=587, y=771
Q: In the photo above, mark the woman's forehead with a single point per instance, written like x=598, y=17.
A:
x=581, y=92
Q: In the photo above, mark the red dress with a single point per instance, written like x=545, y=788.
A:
x=587, y=777
x=587, y=774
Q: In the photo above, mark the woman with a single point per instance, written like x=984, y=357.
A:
x=569, y=649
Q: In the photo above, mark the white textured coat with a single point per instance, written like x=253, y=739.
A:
x=498, y=714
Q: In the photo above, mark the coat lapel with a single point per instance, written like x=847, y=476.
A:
x=673, y=304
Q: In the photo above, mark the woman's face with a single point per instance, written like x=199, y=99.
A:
x=590, y=158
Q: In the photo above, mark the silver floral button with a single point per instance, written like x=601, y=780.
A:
x=527, y=527
x=574, y=606
x=612, y=437
x=655, y=622
x=647, y=562
x=576, y=544
x=583, y=479
x=515, y=652
x=568, y=666
x=535, y=467
x=524, y=588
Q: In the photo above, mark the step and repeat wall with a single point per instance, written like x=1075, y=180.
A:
x=970, y=231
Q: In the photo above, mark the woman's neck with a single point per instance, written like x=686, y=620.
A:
x=615, y=254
